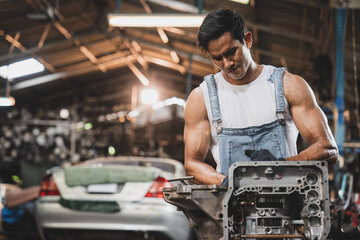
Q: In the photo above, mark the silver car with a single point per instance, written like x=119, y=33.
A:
x=111, y=198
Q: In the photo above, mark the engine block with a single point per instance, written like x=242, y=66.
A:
x=284, y=200
x=264, y=200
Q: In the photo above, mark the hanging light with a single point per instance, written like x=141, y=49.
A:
x=241, y=1
x=155, y=20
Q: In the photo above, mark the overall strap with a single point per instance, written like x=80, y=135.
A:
x=214, y=102
x=277, y=78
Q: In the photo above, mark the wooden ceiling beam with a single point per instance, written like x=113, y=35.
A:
x=71, y=73
x=16, y=43
x=160, y=47
x=138, y=56
x=161, y=33
x=160, y=30
x=44, y=36
x=180, y=6
x=16, y=38
x=35, y=50
x=166, y=63
x=138, y=74
x=84, y=50
x=12, y=41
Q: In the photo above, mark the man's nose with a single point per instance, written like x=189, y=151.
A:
x=228, y=62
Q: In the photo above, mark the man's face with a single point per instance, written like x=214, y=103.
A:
x=230, y=55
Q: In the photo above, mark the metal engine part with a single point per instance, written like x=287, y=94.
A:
x=264, y=200
x=202, y=205
x=283, y=199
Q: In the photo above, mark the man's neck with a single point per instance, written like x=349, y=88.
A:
x=251, y=74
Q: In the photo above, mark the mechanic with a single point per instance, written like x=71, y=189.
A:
x=248, y=111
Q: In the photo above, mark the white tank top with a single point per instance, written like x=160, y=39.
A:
x=247, y=105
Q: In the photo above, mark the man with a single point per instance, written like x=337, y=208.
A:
x=247, y=107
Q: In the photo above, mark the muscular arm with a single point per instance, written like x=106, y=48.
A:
x=310, y=120
x=197, y=141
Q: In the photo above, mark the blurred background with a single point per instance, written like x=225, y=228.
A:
x=76, y=83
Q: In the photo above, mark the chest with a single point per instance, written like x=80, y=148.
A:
x=252, y=105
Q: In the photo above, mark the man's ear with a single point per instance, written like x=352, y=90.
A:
x=248, y=39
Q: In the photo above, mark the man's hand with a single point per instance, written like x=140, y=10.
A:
x=225, y=181
x=261, y=155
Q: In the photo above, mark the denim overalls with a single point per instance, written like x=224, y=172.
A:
x=234, y=141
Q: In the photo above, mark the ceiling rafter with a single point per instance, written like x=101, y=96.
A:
x=118, y=62
x=138, y=56
x=44, y=35
x=17, y=44
x=46, y=47
x=70, y=73
x=83, y=49
x=132, y=67
x=160, y=30
x=16, y=38
x=138, y=74
x=159, y=47
x=161, y=33
x=166, y=63
x=184, y=7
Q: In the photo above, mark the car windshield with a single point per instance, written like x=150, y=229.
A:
x=161, y=165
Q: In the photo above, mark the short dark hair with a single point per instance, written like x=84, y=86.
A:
x=218, y=22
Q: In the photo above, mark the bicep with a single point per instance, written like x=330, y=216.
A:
x=311, y=122
x=197, y=127
x=307, y=115
x=197, y=135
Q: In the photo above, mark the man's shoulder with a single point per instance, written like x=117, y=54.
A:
x=196, y=95
x=295, y=87
x=195, y=105
x=291, y=78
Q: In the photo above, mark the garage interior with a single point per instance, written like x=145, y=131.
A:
x=86, y=103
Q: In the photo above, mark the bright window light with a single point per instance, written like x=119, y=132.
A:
x=7, y=101
x=21, y=68
x=149, y=96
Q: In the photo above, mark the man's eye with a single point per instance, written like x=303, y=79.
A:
x=217, y=58
x=231, y=52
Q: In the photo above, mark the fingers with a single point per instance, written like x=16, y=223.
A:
x=248, y=152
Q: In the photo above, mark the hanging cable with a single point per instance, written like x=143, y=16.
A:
x=118, y=5
x=355, y=73
x=200, y=6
